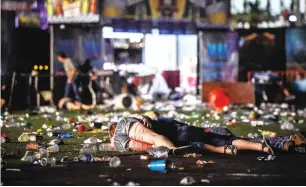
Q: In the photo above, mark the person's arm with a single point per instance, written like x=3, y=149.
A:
x=73, y=72
x=142, y=134
x=145, y=119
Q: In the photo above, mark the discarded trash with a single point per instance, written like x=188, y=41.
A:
x=163, y=166
x=43, y=162
x=65, y=126
x=203, y=162
x=81, y=128
x=4, y=138
x=192, y=155
x=159, y=152
x=65, y=135
x=34, y=138
x=42, y=153
x=27, y=157
x=53, y=148
x=102, y=159
x=12, y=169
x=114, y=162
x=85, y=158
x=52, y=161
x=188, y=181
x=92, y=140
x=56, y=141
x=89, y=149
x=32, y=146
x=116, y=184
x=205, y=181
x=267, y=158
x=105, y=147
x=287, y=126
x=144, y=157
x=23, y=137
x=132, y=184
x=50, y=134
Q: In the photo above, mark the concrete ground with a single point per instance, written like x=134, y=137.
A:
x=243, y=169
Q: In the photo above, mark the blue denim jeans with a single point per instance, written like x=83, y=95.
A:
x=74, y=88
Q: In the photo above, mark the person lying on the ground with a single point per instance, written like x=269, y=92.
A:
x=2, y=102
x=138, y=133
x=67, y=103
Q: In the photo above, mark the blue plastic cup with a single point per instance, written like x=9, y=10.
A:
x=158, y=166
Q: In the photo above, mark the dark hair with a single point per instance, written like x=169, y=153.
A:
x=62, y=54
x=127, y=101
x=111, y=130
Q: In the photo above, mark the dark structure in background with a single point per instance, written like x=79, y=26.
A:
x=22, y=48
x=261, y=50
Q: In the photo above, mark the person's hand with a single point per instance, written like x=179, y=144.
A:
x=69, y=80
x=146, y=122
x=93, y=77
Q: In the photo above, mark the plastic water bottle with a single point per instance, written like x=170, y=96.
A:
x=42, y=153
x=105, y=147
x=52, y=161
x=89, y=149
x=65, y=135
x=27, y=157
x=114, y=162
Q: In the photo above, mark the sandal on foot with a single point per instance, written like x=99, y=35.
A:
x=233, y=149
x=266, y=144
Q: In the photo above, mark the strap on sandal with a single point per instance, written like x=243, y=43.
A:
x=233, y=149
x=266, y=144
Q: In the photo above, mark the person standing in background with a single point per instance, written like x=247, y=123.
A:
x=71, y=73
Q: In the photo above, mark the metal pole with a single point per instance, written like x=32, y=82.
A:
x=51, y=58
x=199, y=64
x=37, y=92
x=298, y=13
x=12, y=89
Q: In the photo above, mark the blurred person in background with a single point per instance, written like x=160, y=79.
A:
x=300, y=89
x=71, y=73
x=87, y=77
x=67, y=103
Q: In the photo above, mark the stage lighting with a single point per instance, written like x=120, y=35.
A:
x=46, y=67
x=41, y=67
x=35, y=67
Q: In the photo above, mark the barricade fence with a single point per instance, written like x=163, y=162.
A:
x=288, y=76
